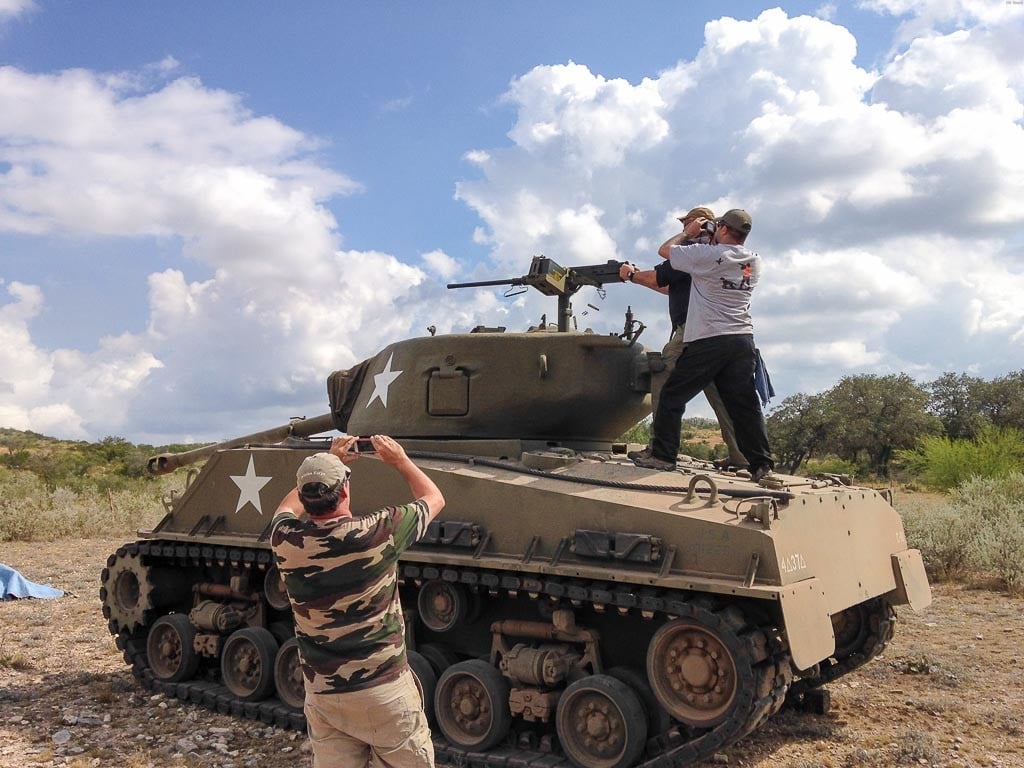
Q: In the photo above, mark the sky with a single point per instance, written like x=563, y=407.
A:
x=207, y=208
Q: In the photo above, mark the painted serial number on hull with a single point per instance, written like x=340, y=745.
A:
x=792, y=564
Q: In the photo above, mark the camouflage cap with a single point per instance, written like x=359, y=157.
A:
x=696, y=213
x=737, y=219
x=323, y=468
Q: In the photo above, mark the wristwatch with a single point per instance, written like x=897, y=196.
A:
x=629, y=276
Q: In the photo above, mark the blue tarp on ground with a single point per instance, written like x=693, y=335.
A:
x=15, y=586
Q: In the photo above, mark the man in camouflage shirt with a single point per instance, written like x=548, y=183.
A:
x=362, y=705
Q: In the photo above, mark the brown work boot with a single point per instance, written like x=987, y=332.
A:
x=653, y=462
x=643, y=453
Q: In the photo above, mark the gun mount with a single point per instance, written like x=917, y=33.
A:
x=552, y=279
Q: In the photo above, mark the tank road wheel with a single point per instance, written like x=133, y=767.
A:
x=471, y=705
x=851, y=629
x=426, y=682
x=127, y=591
x=247, y=663
x=288, y=678
x=440, y=657
x=273, y=589
x=442, y=606
x=862, y=632
x=657, y=718
x=693, y=671
x=601, y=723
x=171, y=648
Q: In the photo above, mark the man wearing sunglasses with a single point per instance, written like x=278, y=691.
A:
x=362, y=705
x=719, y=339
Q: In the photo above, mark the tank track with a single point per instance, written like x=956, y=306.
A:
x=762, y=689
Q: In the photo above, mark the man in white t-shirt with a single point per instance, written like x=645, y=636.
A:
x=719, y=338
x=665, y=279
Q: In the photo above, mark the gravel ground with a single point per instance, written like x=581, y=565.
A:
x=948, y=692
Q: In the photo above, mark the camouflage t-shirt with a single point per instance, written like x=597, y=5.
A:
x=342, y=583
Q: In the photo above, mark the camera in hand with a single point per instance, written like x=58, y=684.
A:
x=708, y=228
x=364, y=445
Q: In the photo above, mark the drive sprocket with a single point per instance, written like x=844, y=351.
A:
x=127, y=590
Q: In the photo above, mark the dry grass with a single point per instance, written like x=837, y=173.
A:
x=31, y=512
x=914, y=746
x=978, y=528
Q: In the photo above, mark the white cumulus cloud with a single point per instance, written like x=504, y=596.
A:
x=885, y=202
x=441, y=264
x=280, y=303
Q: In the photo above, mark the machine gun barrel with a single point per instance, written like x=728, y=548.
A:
x=168, y=462
x=485, y=283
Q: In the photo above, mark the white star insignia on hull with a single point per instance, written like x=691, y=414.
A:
x=249, y=486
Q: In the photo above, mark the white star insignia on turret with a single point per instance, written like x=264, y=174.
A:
x=249, y=486
x=381, y=382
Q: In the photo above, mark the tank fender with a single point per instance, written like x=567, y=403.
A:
x=808, y=623
x=911, y=581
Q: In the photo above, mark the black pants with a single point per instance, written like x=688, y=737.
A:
x=728, y=361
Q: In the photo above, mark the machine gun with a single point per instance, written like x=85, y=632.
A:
x=552, y=279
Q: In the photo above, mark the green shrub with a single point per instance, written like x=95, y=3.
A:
x=980, y=527
x=15, y=459
x=697, y=450
x=943, y=463
x=832, y=466
x=638, y=433
x=995, y=507
x=940, y=532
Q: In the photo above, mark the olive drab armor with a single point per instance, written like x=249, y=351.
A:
x=567, y=606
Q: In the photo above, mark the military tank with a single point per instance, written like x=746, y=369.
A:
x=567, y=607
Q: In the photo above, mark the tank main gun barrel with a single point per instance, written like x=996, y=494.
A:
x=552, y=279
x=168, y=462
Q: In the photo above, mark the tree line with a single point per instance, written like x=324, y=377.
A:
x=113, y=462
x=866, y=419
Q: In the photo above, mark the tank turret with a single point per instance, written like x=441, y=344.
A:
x=567, y=607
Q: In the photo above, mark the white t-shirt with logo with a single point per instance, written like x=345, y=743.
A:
x=723, y=278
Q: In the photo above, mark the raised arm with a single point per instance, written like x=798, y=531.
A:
x=690, y=232
x=422, y=487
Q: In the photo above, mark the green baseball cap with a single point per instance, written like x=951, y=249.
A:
x=737, y=219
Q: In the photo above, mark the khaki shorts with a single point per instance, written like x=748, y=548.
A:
x=380, y=726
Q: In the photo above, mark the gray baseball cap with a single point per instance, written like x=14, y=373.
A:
x=323, y=468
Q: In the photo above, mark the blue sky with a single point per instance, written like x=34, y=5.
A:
x=167, y=169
